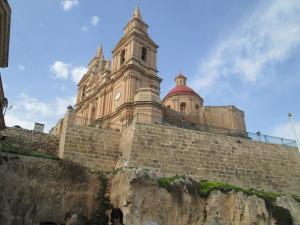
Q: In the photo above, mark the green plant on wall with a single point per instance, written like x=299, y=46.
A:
x=100, y=216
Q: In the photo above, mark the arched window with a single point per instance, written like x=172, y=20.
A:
x=122, y=57
x=144, y=54
x=168, y=106
x=197, y=107
x=182, y=107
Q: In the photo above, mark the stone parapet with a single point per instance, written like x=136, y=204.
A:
x=31, y=140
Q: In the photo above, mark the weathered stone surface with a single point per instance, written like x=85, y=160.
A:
x=31, y=140
x=97, y=149
x=169, y=151
x=136, y=192
x=290, y=204
x=33, y=190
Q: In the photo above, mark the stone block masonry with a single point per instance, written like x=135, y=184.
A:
x=30, y=140
x=97, y=149
x=205, y=156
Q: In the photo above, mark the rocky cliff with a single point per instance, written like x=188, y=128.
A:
x=35, y=190
x=138, y=194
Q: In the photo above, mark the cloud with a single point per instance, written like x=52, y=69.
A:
x=77, y=73
x=63, y=70
x=69, y=4
x=21, y=67
x=284, y=130
x=84, y=28
x=60, y=70
x=268, y=36
x=94, y=20
x=27, y=110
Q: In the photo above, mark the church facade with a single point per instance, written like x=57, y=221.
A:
x=112, y=93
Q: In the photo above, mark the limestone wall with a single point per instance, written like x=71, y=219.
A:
x=170, y=151
x=92, y=147
x=228, y=117
x=35, y=190
x=28, y=139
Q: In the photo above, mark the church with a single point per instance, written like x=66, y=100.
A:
x=112, y=94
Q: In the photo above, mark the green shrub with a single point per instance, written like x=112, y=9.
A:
x=165, y=182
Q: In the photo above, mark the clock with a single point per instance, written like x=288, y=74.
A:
x=117, y=96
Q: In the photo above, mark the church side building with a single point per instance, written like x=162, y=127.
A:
x=189, y=104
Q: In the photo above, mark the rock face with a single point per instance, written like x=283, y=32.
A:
x=144, y=203
x=35, y=190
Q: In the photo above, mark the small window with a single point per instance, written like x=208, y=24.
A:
x=169, y=107
x=122, y=57
x=144, y=54
x=182, y=107
x=83, y=92
x=93, y=112
x=197, y=107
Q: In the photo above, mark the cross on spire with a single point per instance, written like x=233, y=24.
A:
x=137, y=13
x=100, y=52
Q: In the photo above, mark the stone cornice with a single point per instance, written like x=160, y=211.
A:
x=133, y=34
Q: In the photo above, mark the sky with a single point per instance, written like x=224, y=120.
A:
x=234, y=52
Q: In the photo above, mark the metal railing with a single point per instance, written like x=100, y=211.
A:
x=271, y=139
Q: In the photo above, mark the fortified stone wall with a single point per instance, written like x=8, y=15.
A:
x=170, y=151
x=28, y=139
x=97, y=149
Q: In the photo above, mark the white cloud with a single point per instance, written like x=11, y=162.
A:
x=11, y=119
x=284, y=130
x=21, y=67
x=60, y=70
x=69, y=4
x=77, y=73
x=27, y=109
x=32, y=105
x=268, y=36
x=84, y=28
x=94, y=20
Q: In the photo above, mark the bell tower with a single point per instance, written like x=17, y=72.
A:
x=135, y=47
x=134, y=65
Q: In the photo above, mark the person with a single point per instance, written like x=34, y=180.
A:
x=71, y=218
x=116, y=216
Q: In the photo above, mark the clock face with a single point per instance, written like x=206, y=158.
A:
x=117, y=96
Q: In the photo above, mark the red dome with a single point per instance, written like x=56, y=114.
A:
x=181, y=89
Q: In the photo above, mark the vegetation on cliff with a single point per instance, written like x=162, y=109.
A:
x=204, y=188
x=100, y=216
x=20, y=150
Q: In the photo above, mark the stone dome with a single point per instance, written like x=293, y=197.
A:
x=181, y=88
